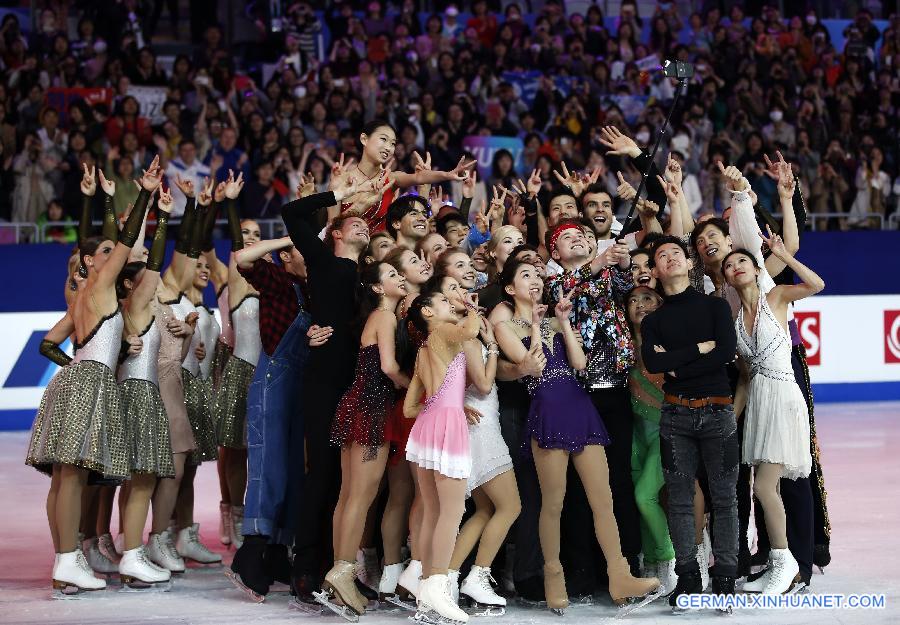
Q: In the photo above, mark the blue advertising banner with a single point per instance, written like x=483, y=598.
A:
x=484, y=147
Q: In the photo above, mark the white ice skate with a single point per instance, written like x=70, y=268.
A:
x=477, y=587
x=703, y=551
x=162, y=553
x=435, y=594
x=108, y=548
x=96, y=559
x=72, y=574
x=387, y=588
x=225, y=523
x=189, y=546
x=759, y=584
x=453, y=585
x=369, y=567
x=139, y=573
x=407, y=586
x=785, y=573
x=665, y=573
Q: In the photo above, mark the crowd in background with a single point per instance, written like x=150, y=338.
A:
x=296, y=98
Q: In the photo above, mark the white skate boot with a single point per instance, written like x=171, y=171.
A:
x=72, y=574
x=387, y=587
x=785, y=573
x=237, y=522
x=453, y=585
x=138, y=572
x=759, y=584
x=435, y=595
x=408, y=584
x=225, y=523
x=96, y=559
x=477, y=587
x=108, y=548
x=703, y=551
x=665, y=572
x=162, y=553
x=189, y=546
x=369, y=567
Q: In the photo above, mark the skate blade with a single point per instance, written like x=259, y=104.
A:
x=254, y=596
x=395, y=600
x=480, y=609
x=425, y=617
x=531, y=605
x=70, y=592
x=628, y=608
x=306, y=609
x=137, y=586
x=796, y=588
x=343, y=611
x=821, y=570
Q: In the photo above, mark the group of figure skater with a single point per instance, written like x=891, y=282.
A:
x=399, y=388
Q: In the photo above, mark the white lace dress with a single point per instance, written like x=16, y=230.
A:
x=490, y=456
x=777, y=422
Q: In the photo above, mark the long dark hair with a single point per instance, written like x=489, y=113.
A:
x=425, y=298
x=506, y=277
x=743, y=252
x=367, y=300
x=129, y=272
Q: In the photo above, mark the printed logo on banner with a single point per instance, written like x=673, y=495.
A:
x=809, y=324
x=892, y=336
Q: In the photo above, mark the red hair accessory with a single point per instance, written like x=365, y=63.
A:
x=559, y=230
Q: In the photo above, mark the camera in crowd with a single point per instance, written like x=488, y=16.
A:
x=678, y=69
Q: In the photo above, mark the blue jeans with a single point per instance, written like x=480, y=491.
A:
x=273, y=421
x=687, y=437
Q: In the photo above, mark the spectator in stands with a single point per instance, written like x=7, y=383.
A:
x=63, y=233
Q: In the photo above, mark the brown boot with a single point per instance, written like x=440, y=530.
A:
x=555, y=587
x=623, y=586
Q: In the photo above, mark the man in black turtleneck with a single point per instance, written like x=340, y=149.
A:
x=691, y=339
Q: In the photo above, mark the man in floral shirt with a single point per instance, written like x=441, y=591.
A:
x=598, y=286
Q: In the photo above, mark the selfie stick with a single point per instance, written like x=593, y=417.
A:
x=682, y=86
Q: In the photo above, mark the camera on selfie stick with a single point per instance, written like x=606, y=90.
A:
x=682, y=71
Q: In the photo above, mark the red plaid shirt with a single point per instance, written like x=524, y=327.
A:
x=278, y=303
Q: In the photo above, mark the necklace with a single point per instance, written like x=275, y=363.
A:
x=377, y=171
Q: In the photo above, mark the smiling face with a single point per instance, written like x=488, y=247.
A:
x=440, y=310
x=527, y=284
x=598, y=207
x=380, y=247
x=480, y=258
x=640, y=271
x=461, y=268
x=434, y=245
x=379, y=146
x=712, y=246
x=453, y=291
x=416, y=270
x=571, y=248
x=509, y=237
x=739, y=270
x=392, y=284
x=201, y=274
x=413, y=225
x=641, y=302
x=671, y=262
x=250, y=232
x=534, y=259
x=355, y=232
x=456, y=233
x=561, y=207
x=591, y=239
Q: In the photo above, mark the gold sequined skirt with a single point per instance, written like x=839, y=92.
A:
x=231, y=403
x=197, y=393
x=80, y=422
x=221, y=356
x=148, y=428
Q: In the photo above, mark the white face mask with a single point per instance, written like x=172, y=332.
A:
x=642, y=137
x=776, y=116
x=681, y=143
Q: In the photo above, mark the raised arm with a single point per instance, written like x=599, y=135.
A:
x=482, y=372
x=146, y=289
x=789, y=227
x=110, y=226
x=180, y=272
x=249, y=255
x=88, y=189
x=428, y=176
x=810, y=282
x=574, y=351
x=460, y=332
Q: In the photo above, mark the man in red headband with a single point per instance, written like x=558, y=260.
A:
x=599, y=285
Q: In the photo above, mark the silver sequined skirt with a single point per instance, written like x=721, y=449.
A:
x=221, y=356
x=197, y=393
x=231, y=403
x=80, y=422
x=148, y=428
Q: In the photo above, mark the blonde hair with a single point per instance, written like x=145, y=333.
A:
x=496, y=237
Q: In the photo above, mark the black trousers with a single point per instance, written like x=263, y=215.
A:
x=322, y=482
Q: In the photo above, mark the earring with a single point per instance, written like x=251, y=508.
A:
x=82, y=271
